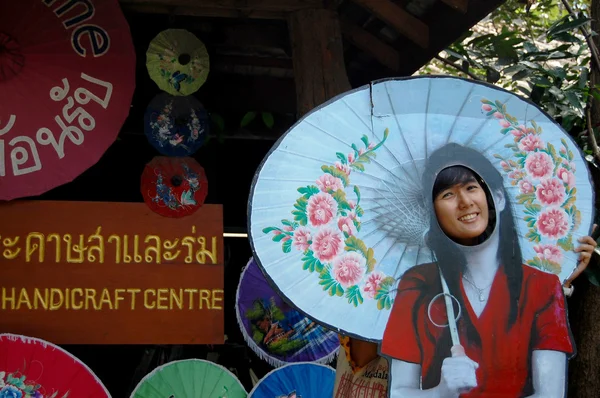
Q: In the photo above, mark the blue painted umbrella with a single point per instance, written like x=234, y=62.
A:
x=276, y=332
x=298, y=380
x=337, y=213
x=176, y=126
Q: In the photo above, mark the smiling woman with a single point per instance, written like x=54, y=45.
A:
x=511, y=318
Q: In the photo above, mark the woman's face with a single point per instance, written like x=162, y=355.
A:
x=462, y=212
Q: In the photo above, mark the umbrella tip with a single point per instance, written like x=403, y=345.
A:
x=184, y=59
x=176, y=180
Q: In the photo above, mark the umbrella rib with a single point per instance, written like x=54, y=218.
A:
x=462, y=107
x=357, y=115
x=401, y=133
x=426, y=117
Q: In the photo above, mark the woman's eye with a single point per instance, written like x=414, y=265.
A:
x=471, y=187
x=447, y=195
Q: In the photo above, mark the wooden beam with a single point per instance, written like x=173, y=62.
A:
x=318, y=58
x=153, y=8
x=237, y=5
x=399, y=19
x=460, y=5
x=385, y=54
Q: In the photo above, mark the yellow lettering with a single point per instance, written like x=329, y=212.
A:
x=61, y=297
x=23, y=298
x=191, y=293
x=105, y=299
x=118, y=298
x=90, y=294
x=67, y=298
x=133, y=293
x=37, y=296
x=204, y=296
x=177, y=298
x=11, y=299
x=146, y=304
x=217, y=298
x=161, y=298
x=80, y=293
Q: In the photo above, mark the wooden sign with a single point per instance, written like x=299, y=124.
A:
x=111, y=273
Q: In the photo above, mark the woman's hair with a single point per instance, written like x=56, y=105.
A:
x=454, y=164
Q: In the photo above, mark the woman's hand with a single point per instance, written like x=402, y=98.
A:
x=586, y=249
x=458, y=374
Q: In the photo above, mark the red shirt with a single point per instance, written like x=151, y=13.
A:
x=503, y=355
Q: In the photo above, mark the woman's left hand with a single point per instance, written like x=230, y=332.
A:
x=586, y=248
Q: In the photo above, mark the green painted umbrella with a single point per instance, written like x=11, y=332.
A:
x=177, y=61
x=190, y=378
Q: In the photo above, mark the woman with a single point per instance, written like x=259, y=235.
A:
x=514, y=336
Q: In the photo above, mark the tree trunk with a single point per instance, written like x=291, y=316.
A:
x=318, y=57
x=584, y=306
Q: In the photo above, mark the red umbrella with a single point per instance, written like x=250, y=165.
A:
x=34, y=368
x=67, y=76
x=174, y=186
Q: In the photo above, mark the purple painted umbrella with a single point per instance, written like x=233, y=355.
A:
x=275, y=331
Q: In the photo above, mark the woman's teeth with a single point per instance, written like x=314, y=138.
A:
x=468, y=217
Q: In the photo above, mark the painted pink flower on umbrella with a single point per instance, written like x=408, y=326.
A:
x=539, y=165
x=566, y=176
x=321, y=209
x=344, y=168
x=327, y=183
x=553, y=223
x=349, y=269
x=530, y=143
x=346, y=225
x=302, y=238
x=486, y=107
x=548, y=252
x=550, y=192
x=525, y=186
x=327, y=244
x=373, y=282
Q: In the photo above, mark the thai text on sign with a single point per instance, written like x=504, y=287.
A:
x=111, y=273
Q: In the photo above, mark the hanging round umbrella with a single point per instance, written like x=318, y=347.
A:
x=177, y=61
x=174, y=187
x=34, y=368
x=337, y=213
x=275, y=331
x=297, y=380
x=190, y=378
x=63, y=100
x=176, y=126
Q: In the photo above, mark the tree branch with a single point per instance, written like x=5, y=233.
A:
x=458, y=68
x=587, y=35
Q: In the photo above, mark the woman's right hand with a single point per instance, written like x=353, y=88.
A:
x=458, y=374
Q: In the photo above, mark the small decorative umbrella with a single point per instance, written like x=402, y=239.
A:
x=63, y=100
x=176, y=126
x=190, y=378
x=174, y=187
x=275, y=331
x=337, y=212
x=297, y=380
x=177, y=61
x=34, y=368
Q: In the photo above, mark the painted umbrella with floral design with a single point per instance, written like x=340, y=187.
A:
x=337, y=212
x=34, y=368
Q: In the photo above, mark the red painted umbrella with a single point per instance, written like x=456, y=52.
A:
x=174, y=186
x=34, y=368
x=67, y=75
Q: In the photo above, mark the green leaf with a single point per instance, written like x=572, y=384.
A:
x=567, y=25
x=300, y=212
x=311, y=263
x=532, y=209
x=533, y=236
x=357, y=192
x=365, y=140
x=340, y=198
x=270, y=229
x=247, y=119
x=278, y=238
x=356, y=245
x=371, y=260
x=358, y=166
x=566, y=243
x=287, y=246
x=525, y=198
x=308, y=190
x=334, y=171
x=341, y=157
x=268, y=120
x=353, y=295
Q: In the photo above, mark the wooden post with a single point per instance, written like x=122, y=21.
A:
x=318, y=57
